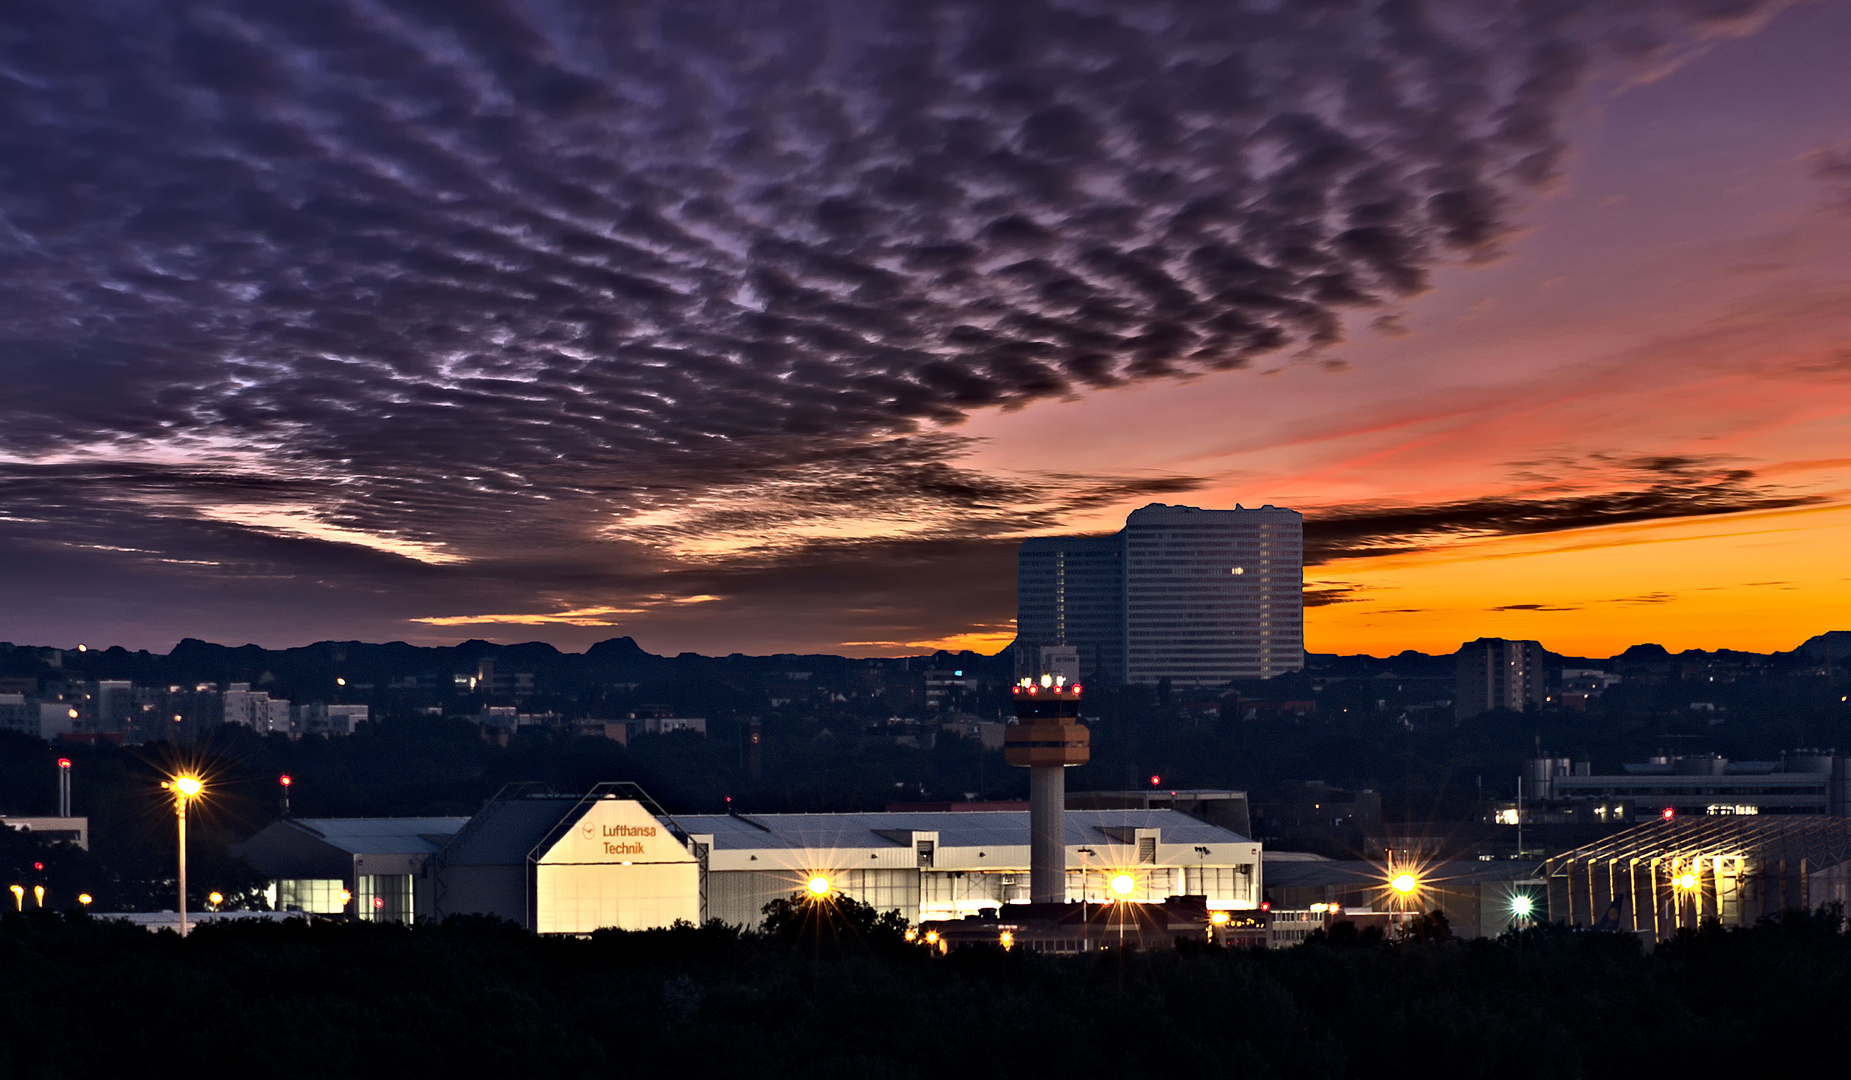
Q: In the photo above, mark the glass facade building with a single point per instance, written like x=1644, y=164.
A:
x=1196, y=597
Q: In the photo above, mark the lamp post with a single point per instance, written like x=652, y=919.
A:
x=1122, y=884
x=186, y=787
x=1404, y=890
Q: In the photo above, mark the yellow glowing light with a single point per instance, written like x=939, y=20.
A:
x=19, y=896
x=819, y=886
x=346, y=896
x=912, y=934
x=215, y=898
x=1404, y=883
x=1687, y=880
x=189, y=786
x=1123, y=884
x=38, y=894
x=931, y=937
x=1007, y=939
x=85, y=898
x=1219, y=918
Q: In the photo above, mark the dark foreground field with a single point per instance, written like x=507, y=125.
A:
x=80, y=998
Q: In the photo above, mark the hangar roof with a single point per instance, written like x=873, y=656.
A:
x=382, y=836
x=508, y=829
x=978, y=828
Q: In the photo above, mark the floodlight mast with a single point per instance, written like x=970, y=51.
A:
x=1047, y=739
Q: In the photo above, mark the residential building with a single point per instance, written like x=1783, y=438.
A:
x=19, y=714
x=320, y=719
x=255, y=709
x=1494, y=673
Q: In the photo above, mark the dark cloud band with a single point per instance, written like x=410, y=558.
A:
x=492, y=279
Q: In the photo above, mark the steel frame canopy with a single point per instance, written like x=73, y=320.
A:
x=1671, y=874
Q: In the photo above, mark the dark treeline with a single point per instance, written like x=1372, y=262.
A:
x=475, y=997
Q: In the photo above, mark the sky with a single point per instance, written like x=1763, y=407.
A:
x=775, y=326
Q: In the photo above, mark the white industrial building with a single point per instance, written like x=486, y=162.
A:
x=368, y=867
x=575, y=863
x=948, y=864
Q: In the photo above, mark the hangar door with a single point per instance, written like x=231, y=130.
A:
x=617, y=866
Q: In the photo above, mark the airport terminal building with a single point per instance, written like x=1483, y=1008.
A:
x=612, y=858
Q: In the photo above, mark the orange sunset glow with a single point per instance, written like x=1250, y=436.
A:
x=1555, y=344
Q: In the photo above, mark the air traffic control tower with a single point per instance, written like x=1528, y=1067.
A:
x=1046, y=739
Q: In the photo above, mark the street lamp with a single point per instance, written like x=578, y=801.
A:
x=819, y=886
x=186, y=787
x=1086, y=893
x=1122, y=884
x=1217, y=920
x=19, y=897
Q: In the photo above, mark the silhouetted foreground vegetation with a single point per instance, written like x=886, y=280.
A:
x=476, y=997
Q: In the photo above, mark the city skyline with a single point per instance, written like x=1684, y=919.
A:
x=778, y=331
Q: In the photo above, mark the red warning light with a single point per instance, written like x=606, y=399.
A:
x=1155, y=779
x=284, y=780
x=38, y=866
x=1266, y=905
x=1670, y=813
x=379, y=902
x=64, y=763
